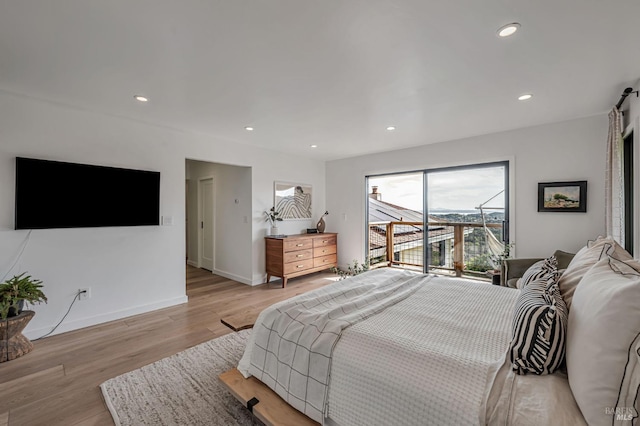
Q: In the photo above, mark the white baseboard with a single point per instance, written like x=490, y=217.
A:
x=99, y=319
x=234, y=277
x=261, y=279
x=192, y=263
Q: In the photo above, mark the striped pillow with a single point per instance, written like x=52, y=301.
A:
x=546, y=270
x=539, y=329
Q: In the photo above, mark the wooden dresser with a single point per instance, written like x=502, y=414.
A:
x=297, y=255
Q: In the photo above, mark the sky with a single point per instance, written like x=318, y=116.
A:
x=573, y=192
x=459, y=190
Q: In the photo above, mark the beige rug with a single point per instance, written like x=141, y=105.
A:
x=182, y=389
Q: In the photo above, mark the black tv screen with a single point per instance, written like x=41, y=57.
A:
x=53, y=194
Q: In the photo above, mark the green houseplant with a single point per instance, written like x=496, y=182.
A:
x=272, y=218
x=352, y=270
x=13, y=293
x=17, y=290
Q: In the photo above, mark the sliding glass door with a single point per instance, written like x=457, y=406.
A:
x=466, y=222
x=395, y=221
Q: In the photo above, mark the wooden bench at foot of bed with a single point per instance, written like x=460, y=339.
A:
x=270, y=408
x=239, y=322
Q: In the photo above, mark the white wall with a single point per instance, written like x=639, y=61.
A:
x=568, y=151
x=130, y=270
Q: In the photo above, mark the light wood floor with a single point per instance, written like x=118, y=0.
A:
x=57, y=383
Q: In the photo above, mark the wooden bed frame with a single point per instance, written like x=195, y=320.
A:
x=263, y=402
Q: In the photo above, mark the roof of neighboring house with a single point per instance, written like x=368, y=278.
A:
x=406, y=236
x=381, y=211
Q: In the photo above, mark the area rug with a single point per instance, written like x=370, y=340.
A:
x=182, y=389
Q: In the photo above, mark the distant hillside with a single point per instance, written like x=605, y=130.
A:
x=494, y=217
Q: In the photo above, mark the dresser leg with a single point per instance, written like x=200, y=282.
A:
x=284, y=282
x=268, y=278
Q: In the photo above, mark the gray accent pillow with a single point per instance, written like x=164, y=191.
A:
x=564, y=258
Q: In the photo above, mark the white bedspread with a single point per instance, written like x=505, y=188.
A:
x=531, y=400
x=427, y=360
x=292, y=341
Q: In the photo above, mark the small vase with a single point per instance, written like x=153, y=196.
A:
x=321, y=225
x=274, y=230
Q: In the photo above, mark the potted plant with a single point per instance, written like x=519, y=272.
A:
x=352, y=270
x=272, y=218
x=13, y=293
x=498, y=259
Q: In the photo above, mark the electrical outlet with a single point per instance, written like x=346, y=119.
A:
x=85, y=293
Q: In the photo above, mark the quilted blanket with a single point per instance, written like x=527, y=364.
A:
x=292, y=341
x=427, y=360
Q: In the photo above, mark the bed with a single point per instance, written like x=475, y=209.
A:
x=395, y=347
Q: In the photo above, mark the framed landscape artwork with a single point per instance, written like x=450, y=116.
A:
x=292, y=200
x=563, y=196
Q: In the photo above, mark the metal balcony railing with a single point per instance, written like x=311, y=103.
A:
x=454, y=247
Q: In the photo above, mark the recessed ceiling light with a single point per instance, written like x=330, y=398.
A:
x=391, y=127
x=141, y=98
x=314, y=146
x=249, y=129
x=525, y=97
x=508, y=29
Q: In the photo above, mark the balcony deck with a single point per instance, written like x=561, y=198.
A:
x=455, y=248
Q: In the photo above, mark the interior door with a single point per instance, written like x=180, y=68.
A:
x=206, y=224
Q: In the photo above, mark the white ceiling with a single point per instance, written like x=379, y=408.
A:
x=334, y=73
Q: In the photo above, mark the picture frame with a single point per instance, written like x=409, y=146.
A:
x=293, y=200
x=565, y=197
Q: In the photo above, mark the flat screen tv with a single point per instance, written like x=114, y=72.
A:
x=53, y=194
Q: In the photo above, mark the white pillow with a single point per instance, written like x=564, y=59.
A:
x=584, y=260
x=603, y=362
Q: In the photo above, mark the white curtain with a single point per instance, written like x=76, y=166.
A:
x=614, y=182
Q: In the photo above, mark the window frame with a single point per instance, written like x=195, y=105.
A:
x=425, y=200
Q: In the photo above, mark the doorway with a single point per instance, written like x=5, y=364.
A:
x=218, y=226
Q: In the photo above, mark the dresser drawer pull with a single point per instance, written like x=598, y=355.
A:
x=299, y=255
x=299, y=245
x=324, y=251
x=325, y=241
x=300, y=266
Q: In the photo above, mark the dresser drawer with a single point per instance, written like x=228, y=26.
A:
x=301, y=254
x=324, y=250
x=292, y=268
x=301, y=244
x=324, y=241
x=325, y=261
x=295, y=256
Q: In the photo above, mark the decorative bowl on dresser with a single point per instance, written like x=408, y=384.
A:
x=297, y=255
